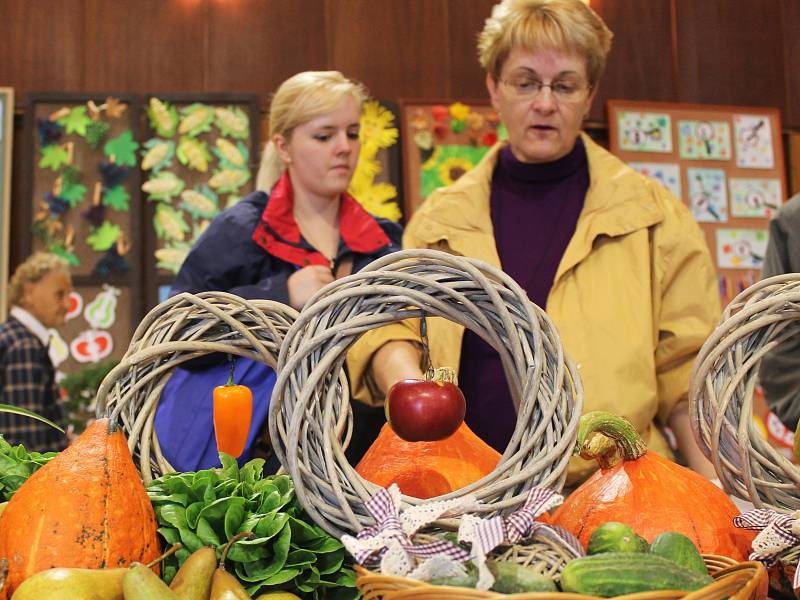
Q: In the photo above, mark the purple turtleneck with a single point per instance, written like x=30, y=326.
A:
x=534, y=208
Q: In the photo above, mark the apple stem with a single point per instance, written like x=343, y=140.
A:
x=441, y=375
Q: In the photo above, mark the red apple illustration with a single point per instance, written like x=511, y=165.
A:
x=426, y=410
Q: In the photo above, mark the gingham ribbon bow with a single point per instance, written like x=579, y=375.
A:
x=490, y=533
x=486, y=534
x=370, y=545
x=777, y=533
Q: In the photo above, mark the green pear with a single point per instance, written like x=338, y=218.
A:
x=225, y=586
x=141, y=583
x=193, y=580
x=72, y=584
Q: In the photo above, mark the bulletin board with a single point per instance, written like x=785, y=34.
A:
x=199, y=155
x=81, y=183
x=724, y=162
x=6, y=138
x=442, y=140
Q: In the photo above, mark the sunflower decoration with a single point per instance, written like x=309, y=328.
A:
x=447, y=164
x=377, y=133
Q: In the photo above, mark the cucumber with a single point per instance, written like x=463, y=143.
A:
x=679, y=549
x=617, y=573
x=511, y=578
x=615, y=537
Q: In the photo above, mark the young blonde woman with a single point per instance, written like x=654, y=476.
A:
x=300, y=231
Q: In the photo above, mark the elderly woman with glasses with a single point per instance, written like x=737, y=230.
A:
x=617, y=262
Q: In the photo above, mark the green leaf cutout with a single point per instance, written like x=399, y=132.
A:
x=76, y=121
x=123, y=148
x=103, y=237
x=116, y=198
x=53, y=157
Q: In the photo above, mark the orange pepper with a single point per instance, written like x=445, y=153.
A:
x=233, y=410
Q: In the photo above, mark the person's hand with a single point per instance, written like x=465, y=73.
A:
x=395, y=361
x=305, y=282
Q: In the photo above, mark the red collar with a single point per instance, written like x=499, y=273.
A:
x=277, y=231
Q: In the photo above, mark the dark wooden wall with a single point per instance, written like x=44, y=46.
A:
x=738, y=52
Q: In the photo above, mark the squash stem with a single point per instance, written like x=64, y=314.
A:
x=441, y=375
x=619, y=437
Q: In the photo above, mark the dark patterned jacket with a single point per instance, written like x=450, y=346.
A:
x=27, y=380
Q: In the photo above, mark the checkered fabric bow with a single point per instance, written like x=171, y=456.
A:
x=389, y=534
x=487, y=534
x=777, y=534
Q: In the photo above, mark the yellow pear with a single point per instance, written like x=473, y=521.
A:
x=225, y=586
x=278, y=595
x=141, y=583
x=73, y=584
x=193, y=580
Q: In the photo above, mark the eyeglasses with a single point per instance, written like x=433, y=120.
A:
x=528, y=88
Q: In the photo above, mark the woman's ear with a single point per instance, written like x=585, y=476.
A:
x=491, y=86
x=282, y=146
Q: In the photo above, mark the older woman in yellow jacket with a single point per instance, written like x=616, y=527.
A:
x=618, y=263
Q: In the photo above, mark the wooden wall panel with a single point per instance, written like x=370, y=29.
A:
x=730, y=53
x=42, y=46
x=256, y=44
x=397, y=48
x=790, y=18
x=144, y=46
x=465, y=19
x=640, y=65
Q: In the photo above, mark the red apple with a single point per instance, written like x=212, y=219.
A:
x=425, y=410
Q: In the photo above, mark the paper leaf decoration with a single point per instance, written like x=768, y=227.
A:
x=95, y=132
x=200, y=202
x=171, y=257
x=163, y=186
x=74, y=193
x=116, y=198
x=54, y=157
x=169, y=223
x=196, y=119
x=102, y=238
x=123, y=148
x=231, y=156
x=229, y=180
x=232, y=121
x=193, y=153
x=115, y=108
x=76, y=121
x=157, y=154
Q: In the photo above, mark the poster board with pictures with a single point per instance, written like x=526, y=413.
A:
x=199, y=156
x=6, y=140
x=442, y=140
x=724, y=162
x=81, y=185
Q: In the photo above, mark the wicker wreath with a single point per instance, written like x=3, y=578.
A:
x=180, y=329
x=721, y=395
x=310, y=417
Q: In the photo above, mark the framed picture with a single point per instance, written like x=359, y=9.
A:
x=6, y=138
x=724, y=162
x=81, y=183
x=442, y=140
x=199, y=156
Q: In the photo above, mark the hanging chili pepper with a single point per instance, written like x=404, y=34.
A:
x=233, y=410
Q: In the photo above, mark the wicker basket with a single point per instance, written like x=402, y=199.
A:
x=738, y=581
x=180, y=329
x=310, y=419
x=721, y=395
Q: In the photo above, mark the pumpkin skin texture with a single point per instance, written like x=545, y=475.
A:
x=427, y=469
x=652, y=495
x=86, y=508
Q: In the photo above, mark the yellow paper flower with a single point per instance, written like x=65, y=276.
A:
x=459, y=111
x=377, y=199
x=452, y=168
x=377, y=129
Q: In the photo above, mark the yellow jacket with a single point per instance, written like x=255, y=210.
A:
x=634, y=297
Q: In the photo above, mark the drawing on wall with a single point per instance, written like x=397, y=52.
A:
x=707, y=195
x=755, y=197
x=708, y=140
x=667, y=174
x=741, y=248
x=645, y=131
x=753, y=141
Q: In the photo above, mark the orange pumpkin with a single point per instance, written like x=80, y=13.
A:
x=85, y=508
x=647, y=492
x=427, y=469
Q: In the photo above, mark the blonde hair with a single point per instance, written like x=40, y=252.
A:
x=35, y=267
x=567, y=25
x=299, y=99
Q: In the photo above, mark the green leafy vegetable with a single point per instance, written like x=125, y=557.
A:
x=123, y=148
x=288, y=551
x=16, y=465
